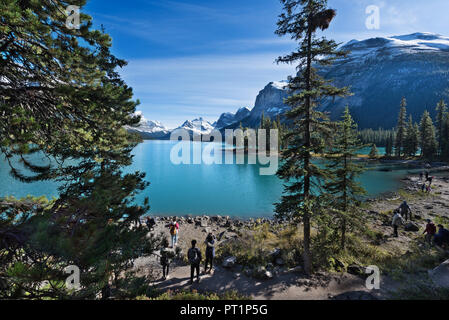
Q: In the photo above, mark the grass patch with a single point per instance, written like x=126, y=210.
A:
x=253, y=248
x=193, y=295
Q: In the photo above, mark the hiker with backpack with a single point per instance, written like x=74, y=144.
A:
x=405, y=210
x=442, y=237
x=430, y=231
x=210, y=252
x=150, y=223
x=194, y=256
x=174, y=232
x=397, y=221
x=166, y=258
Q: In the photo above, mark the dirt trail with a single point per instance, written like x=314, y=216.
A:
x=288, y=286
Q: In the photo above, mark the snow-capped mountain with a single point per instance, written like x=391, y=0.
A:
x=396, y=45
x=197, y=126
x=227, y=119
x=379, y=72
x=149, y=129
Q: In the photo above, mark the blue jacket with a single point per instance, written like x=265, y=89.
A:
x=444, y=234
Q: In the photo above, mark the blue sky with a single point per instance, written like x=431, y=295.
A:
x=202, y=58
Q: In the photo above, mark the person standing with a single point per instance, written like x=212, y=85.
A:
x=210, y=252
x=405, y=210
x=150, y=223
x=174, y=232
x=166, y=258
x=397, y=221
x=430, y=231
x=423, y=187
x=442, y=237
x=194, y=256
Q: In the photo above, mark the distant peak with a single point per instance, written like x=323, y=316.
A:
x=419, y=36
x=279, y=84
x=352, y=42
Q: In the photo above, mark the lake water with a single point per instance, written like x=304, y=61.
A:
x=234, y=190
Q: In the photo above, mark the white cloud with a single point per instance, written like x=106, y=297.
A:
x=175, y=89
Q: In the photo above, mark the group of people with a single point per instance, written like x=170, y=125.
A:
x=426, y=186
x=194, y=254
x=439, y=238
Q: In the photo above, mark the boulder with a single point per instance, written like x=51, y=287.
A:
x=440, y=275
x=355, y=269
x=411, y=226
x=263, y=274
x=229, y=262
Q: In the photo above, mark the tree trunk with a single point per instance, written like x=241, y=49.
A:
x=307, y=256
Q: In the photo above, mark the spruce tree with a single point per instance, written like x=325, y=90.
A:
x=343, y=184
x=401, y=128
x=429, y=144
x=411, y=142
x=441, y=113
x=304, y=179
x=373, y=152
x=61, y=96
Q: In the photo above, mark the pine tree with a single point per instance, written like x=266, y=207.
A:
x=401, y=129
x=373, y=152
x=389, y=145
x=343, y=184
x=441, y=112
x=300, y=20
x=411, y=141
x=429, y=144
x=62, y=96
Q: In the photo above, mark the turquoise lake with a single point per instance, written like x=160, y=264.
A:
x=234, y=190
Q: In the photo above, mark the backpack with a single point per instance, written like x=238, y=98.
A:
x=433, y=228
x=194, y=255
x=173, y=229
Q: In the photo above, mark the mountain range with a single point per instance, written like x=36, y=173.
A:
x=379, y=72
